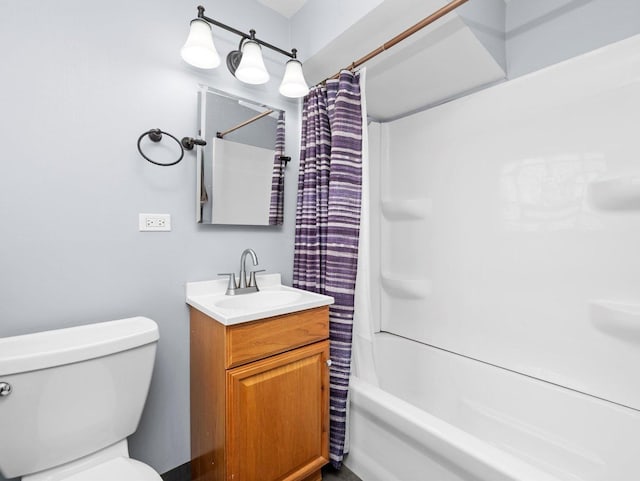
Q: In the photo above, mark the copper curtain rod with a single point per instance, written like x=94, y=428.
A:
x=401, y=36
x=221, y=135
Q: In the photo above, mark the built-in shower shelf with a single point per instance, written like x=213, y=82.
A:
x=406, y=288
x=408, y=209
x=616, y=319
x=619, y=193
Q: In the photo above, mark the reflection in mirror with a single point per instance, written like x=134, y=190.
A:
x=241, y=169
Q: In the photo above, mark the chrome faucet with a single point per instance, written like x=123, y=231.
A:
x=242, y=286
x=243, y=262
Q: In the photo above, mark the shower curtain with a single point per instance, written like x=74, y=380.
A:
x=276, y=206
x=364, y=323
x=327, y=224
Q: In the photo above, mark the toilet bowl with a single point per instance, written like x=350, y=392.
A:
x=70, y=398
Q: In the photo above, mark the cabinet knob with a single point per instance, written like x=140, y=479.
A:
x=329, y=362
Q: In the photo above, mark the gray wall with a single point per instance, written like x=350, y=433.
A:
x=80, y=81
x=545, y=32
x=487, y=20
x=319, y=22
x=527, y=35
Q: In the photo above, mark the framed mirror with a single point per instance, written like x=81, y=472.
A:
x=241, y=169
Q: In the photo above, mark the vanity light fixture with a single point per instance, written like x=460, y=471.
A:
x=251, y=69
x=293, y=83
x=246, y=63
x=199, y=49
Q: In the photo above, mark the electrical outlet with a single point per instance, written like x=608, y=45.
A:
x=154, y=222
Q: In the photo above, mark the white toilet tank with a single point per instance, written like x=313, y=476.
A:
x=72, y=391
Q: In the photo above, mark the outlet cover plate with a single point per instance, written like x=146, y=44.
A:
x=154, y=222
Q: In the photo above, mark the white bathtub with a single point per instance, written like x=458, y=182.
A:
x=438, y=416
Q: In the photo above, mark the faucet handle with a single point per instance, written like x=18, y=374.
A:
x=232, y=280
x=252, y=278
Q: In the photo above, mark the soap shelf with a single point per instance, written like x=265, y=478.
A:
x=406, y=288
x=615, y=194
x=621, y=320
x=408, y=209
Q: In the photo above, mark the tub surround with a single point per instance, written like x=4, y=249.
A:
x=508, y=230
x=504, y=275
x=620, y=193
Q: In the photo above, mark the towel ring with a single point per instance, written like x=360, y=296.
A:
x=155, y=135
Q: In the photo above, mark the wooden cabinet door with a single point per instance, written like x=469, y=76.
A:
x=278, y=416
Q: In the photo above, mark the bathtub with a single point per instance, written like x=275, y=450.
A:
x=439, y=416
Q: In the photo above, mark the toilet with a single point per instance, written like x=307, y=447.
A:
x=69, y=398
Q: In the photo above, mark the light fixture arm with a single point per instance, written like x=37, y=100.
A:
x=249, y=36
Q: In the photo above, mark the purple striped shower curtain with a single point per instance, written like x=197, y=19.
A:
x=276, y=206
x=328, y=224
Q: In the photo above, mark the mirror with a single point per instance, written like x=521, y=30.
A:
x=241, y=169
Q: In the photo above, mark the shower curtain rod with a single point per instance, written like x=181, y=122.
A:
x=403, y=35
x=221, y=135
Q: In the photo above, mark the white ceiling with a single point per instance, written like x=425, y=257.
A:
x=286, y=8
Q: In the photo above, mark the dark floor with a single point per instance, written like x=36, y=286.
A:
x=183, y=473
x=329, y=473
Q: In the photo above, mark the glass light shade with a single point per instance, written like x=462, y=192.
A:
x=251, y=69
x=293, y=83
x=199, y=50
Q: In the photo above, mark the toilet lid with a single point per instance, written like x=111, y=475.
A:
x=118, y=469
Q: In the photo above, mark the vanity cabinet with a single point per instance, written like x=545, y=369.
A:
x=260, y=397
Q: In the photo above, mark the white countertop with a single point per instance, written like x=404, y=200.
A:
x=273, y=299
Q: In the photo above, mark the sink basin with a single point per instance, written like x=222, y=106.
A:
x=273, y=299
x=259, y=300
